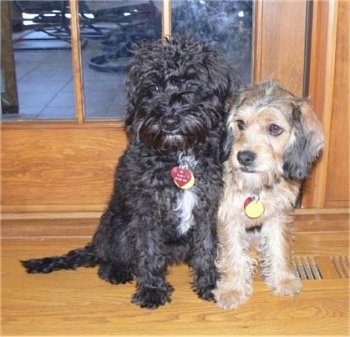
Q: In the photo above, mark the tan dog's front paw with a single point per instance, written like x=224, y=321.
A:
x=230, y=299
x=288, y=287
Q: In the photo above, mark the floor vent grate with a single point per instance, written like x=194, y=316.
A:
x=321, y=267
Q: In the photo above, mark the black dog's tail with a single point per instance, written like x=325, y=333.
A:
x=81, y=257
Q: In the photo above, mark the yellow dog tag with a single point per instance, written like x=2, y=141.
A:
x=253, y=208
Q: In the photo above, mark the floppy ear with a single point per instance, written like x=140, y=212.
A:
x=228, y=136
x=226, y=145
x=306, y=143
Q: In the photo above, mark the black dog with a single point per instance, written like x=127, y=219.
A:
x=167, y=186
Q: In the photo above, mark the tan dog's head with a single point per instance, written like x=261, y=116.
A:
x=271, y=133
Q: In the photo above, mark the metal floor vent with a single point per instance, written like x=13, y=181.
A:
x=321, y=267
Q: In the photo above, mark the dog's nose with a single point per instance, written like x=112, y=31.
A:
x=171, y=123
x=246, y=158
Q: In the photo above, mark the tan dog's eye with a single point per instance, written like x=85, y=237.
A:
x=240, y=124
x=274, y=130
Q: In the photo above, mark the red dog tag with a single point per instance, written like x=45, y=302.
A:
x=183, y=177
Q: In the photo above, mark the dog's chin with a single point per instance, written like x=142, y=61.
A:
x=168, y=142
x=165, y=141
x=245, y=169
x=253, y=179
x=173, y=143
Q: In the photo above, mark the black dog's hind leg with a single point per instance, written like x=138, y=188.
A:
x=115, y=273
x=113, y=247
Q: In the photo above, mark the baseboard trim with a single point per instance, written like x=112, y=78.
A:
x=50, y=215
x=97, y=215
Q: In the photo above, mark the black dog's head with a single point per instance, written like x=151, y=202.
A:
x=177, y=89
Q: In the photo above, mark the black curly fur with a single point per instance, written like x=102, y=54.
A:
x=177, y=89
x=72, y=260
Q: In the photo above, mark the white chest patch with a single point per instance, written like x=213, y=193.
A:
x=185, y=204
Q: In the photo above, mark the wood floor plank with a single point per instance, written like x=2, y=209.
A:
x=79, y=303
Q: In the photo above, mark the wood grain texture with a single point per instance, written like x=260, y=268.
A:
x=329, y=94
x=337, y=186
x=55, y=167
x=166, y=18
x=58, y=167
x=79, y=303
x=77, y=61
x=279, y=42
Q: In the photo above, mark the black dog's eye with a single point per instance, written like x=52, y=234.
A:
x=240, y=124
x=150, y=89
x=274, y=130
x=190, y=87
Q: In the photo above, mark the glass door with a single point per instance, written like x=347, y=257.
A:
x=99, y=37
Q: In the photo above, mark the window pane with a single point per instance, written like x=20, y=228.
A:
x=225, y=24
x=108, y=31
x=42, y=77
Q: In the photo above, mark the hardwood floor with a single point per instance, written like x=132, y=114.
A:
x=79, y=303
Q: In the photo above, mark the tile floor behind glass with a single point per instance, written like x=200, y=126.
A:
x=46, y=91
x=43, y=56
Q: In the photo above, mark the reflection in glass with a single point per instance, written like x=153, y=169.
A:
x=41, y=46
x=225, y=24
x=109, y=29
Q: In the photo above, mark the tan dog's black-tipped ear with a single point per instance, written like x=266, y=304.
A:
x=228, y=137
x=226, y=145
x=230, y=101
x=314, y=128
x=306, y=145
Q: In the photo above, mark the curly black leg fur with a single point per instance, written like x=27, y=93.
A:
x=203, y=266
x=203, y=287
x=115, y=274
x=151, y=297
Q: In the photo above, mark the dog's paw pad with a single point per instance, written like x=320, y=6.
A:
x=152, y=298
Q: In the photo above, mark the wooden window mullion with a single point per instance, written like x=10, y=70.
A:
x=77, y=61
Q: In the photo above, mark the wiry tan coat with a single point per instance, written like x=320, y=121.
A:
x=273, y=139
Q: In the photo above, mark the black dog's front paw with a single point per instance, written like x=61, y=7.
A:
x=152, y=298
x=206, y=293
x=115, y=274
x=203, y=288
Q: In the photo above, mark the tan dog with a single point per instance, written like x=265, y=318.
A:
x=273, y=139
